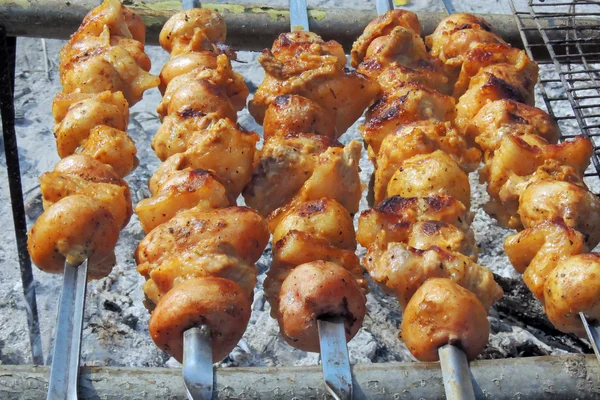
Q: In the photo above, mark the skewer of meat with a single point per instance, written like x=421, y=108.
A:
x=199, y=254
x=419, y=243
x=307, y=185
x=536, y=185
x=103, y=69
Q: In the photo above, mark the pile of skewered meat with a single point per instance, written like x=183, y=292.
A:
x=536, y=186
x=439, y=112
x=199, y=253
x=307, y=185
x=433, y=116
x=420, y=246
x=103, y=70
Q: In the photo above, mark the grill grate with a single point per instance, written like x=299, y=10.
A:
x=570, y=80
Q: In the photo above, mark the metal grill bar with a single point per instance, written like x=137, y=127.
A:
x=7, y=108
x=573, y=70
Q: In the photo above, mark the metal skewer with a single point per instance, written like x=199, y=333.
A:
x=456, y=373
x=593, y=331
x=197, y=363
x=334, y=358
x=298, y=15
x=449, y=7
x=383, y=6
x=64, y=372
x=332, y=333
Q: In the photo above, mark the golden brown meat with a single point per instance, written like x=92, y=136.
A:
x=407, y=104
x=315, y=230
x=396, y=213
x=428, y=175
x=314, y=290
x=120, y=20
x=521, y=159
x=75, y=228
x=323, y=218
x=220, y=304
x=224, y=148
x=501, y=117
x=460, y=42
x=106, y=189
x=87, y=168
x=442, y=312
x=177, y=129
x=402, y=269
x=481, y=55
x=425, y=72
x=204, y=91
x=401, y=45
x=297, y=248
x=335, y=176
x=494, y=82
x=89, y=44
x=383, y=26
x=535, y=252
x=444, y=33
x=107, y=67
x=422, y=137
x=301, y=63
x=76, y=114
x=112, y=147
x=196, y=264
x=573, y=287
x=575, y=205
x=238, y=231
x=184, y=63
x=291, y=115
x=282, y=166
x=192, y=30
x=183, y=190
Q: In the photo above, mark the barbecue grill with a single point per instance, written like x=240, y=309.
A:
x=562, y=36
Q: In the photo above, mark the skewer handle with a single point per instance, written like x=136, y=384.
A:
x=384, y=6
x=456, y=373
x=189, y=4
x=593, y=331
x=67, y=343
x=197, y=363
x=449, y=7
x=298, y=15
x=334, y=358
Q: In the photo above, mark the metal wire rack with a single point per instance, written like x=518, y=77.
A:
x=570, y=79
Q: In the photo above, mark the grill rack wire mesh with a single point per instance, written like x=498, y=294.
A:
x=570, y=80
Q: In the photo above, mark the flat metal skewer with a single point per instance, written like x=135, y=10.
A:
x=383, y=6
x=334, y=358
x=298, y=15
x=593, y=331
x=449, y=7
x=332, y=334
x=456, y=373
x=197, y=363
x=64, y=372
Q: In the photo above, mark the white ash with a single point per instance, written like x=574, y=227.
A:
x=115, y=327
